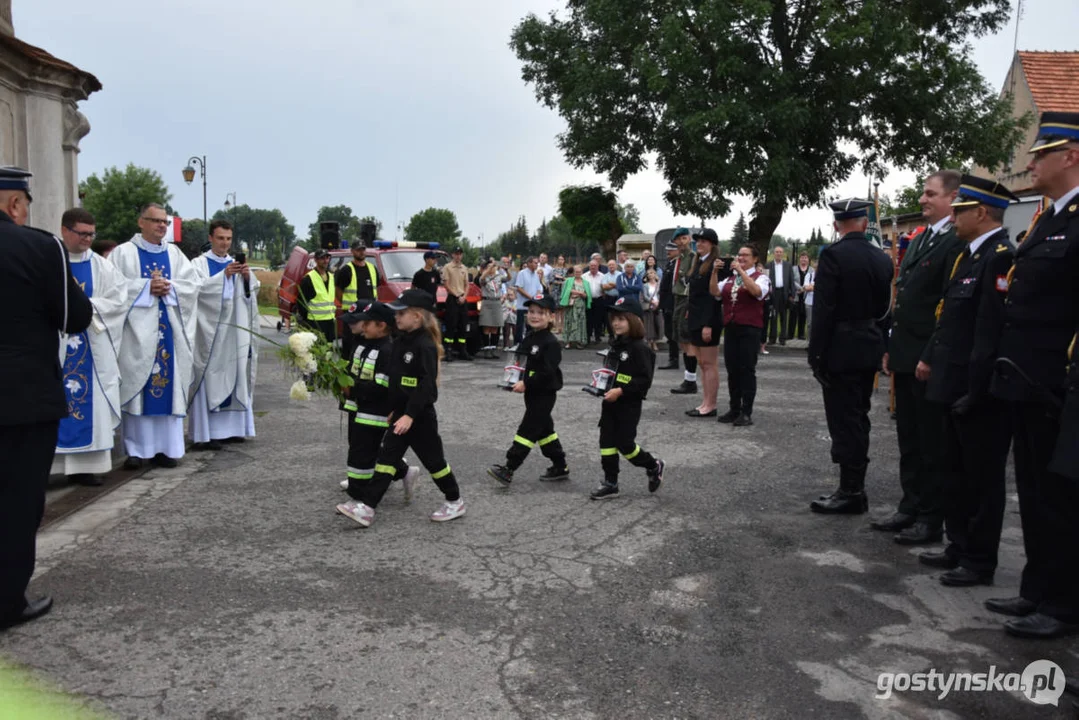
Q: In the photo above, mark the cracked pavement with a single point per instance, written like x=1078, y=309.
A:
x=229, y=588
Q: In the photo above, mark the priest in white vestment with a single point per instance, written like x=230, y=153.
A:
x=226, y=354
x=89, y=360
x=157, y=362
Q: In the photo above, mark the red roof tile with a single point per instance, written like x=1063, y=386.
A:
x=1053, y=78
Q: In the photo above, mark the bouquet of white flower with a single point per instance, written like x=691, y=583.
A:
x=325, y=372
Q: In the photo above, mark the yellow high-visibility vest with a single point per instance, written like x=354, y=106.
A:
x=321, y=307
x=351, y=292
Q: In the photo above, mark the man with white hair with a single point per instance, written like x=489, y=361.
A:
x=226, y=354
x=159, y=335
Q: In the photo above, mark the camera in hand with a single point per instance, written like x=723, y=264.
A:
x=726, y=267
x=241, y=257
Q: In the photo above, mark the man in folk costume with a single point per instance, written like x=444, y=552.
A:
x=157, y=364
x=226, y=355
x=89, y=359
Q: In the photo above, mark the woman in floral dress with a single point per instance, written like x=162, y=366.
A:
x=575, y=305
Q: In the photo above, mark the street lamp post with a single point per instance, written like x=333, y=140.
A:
x=236, y=244
x=189, y=175
x=234, y=203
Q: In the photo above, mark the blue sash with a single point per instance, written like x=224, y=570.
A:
x=157, y=394
x=77, y=429
x=215, y=266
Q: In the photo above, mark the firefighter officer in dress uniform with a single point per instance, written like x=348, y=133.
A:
x=846, y=342
x=956, y=366
x=41, y=300
x=1041, y=314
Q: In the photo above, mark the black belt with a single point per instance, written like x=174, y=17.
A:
x=864, y=324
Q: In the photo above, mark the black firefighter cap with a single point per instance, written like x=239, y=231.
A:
x=413, y=298
x=626, y=305
x=544, y=301
x=15, y=178
x=369, y=310
x=974, y=190
x=850, y=208
x=1055, y=129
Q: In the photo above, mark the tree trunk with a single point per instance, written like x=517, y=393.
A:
x=763, y=224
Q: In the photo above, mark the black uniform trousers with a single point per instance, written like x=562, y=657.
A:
x=618, y=436
x=423, y=438
x=668, y=331
x=1049, y=510
x=796, y=319
x=741, y=348
x=846, y=408
x=920, y=427
x=26, y=453
x=456, y=321
x=777, y=324
x=536, y=428
x=328, y=328
x=596, y=319
x=976, y=448
x=364, y=442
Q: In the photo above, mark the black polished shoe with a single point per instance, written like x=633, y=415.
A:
x=670, y=366
x=830, y=495
x=164, y=461
x=920, y=533
x=697, y=413
x=132, y=463
x=555, y=473
x=33, y=610
x=842, y=503
x=743, y=421
x=211, y=445
x=940, y=560
x=729, y=416
x=85, y=479
x=234, y=440
x=686, y=388
x=1039, y=626
x=965, y=577
x=604, y=492
x=894, y=522
x=1014, y=606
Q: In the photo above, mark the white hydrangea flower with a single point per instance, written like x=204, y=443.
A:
x=308, y=364
x=298, y=391
x=300, y=343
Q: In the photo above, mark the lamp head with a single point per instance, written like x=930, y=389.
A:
x=189, y=174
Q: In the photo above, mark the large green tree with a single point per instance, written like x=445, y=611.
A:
x=592, y=214
x=515, y=242
x=266, y=233
x=630, y=217
x=193, y=236
x=740, y=231
x=114, y=199
x=434, y=225
x=774, y=99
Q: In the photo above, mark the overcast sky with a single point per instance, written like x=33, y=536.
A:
x=388, y=107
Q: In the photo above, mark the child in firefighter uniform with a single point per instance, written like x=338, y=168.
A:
x=542, y=380
x=367, y=404
x=632, y=363
x=413, y=390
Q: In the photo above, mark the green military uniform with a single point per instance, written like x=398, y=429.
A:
x=920, y=424
x=680, y=288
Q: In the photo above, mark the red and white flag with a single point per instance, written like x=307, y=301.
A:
x=174, y=232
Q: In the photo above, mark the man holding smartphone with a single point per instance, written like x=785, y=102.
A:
x=225, y=352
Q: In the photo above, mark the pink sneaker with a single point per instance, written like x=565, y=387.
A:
x=449, y=511
x=357, y=511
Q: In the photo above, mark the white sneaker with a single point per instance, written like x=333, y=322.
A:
x=449, y=511
x=344, y=484
x=408, y=482
x=357, y=511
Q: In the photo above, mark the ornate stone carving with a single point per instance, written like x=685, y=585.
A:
x=76, y=126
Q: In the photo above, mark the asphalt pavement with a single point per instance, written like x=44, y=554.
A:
x=229, y=588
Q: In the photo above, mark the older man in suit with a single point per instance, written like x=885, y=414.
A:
x=781, y=277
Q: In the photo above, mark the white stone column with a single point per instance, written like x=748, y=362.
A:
x=44, y=134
